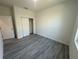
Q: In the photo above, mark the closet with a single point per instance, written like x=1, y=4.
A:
x=25, y=26
x=22, y=24
x=22, y=27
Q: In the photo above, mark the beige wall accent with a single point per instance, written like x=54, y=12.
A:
x=5, y=11
x=6, y=27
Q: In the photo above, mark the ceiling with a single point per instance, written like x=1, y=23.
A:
x=30, y=4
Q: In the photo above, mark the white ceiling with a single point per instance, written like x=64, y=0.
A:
x=40, y=4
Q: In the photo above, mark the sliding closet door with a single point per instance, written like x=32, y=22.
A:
x=25, y=26
x=22, y=26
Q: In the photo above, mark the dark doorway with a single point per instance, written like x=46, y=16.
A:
x=31, y=25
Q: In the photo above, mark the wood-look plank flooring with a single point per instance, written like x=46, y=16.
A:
x=34, y=47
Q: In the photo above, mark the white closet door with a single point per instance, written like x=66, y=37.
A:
x=6, y=27
x=25, y=26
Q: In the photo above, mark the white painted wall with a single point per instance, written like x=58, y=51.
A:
x=6, y=20
x=23, y=12
x=1, y=46
x=6, y=27
x=73, y=48
x=5, y=11
x=20, y=14
x=56, y=22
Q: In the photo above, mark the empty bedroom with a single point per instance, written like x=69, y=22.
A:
x=38, y=29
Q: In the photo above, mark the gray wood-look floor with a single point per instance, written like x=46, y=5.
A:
x=34, y=47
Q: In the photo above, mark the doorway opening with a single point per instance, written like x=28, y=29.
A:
x=31, y=25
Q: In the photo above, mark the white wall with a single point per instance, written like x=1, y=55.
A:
x=19, y=14
x=6, y=19
x=6, y=27
x=5, y=11
x=1, y=46
x=56, y=22
x=73, y=48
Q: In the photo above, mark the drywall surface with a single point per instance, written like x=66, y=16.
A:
x=20, y=14
x=23, y=12
x=5, y=11
x=56, y=22
x=73, y=48
x=1, y=46
x=6, y=27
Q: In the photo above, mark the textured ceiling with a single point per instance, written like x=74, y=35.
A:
x=38, y=5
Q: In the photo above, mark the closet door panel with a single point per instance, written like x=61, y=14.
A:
x=22, y=26
x=25, y=26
